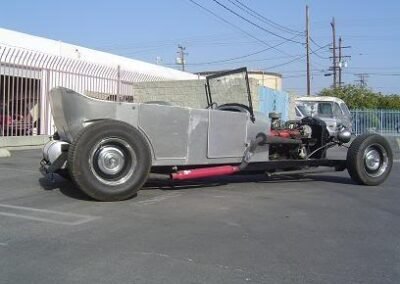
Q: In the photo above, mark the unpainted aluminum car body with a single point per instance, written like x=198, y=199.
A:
x=176, y=135
x=109, y=148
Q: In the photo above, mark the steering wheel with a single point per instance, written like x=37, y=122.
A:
x=234, y=107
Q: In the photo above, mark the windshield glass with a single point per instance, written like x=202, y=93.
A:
x=345, y=109
x=229, y=88
x=306, y=108
x=319, y=109
x=303, y=110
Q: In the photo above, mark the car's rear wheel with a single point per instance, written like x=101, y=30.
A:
x=109, y=160
x=369, y=159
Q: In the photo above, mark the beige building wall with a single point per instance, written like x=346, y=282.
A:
x=269, y=80
x=190, y=93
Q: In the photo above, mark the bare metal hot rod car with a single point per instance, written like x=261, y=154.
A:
x=109, y=148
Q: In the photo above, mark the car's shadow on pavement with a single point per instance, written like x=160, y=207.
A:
x=334, y=179
x=66, y=187
x=69, y=189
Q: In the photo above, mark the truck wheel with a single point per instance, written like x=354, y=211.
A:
x=109, y=160
x=369, y=159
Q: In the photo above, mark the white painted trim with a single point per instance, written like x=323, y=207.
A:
x=81, y=218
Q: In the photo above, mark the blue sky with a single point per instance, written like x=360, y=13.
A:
x=149, y=29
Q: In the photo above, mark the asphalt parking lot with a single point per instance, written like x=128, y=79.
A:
x=319, y=229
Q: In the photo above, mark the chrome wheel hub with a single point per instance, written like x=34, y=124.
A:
x=111, y=160
x=372, y=160
x=376, y=160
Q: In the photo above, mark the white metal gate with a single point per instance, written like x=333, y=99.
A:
x=27, y=76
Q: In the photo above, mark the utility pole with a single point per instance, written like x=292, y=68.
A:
x=180, y=60
x=333, y=24
x=337, y=61
x=340, y=61
x=362, y=81
x=308, y=51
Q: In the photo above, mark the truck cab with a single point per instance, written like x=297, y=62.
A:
x=333, y=111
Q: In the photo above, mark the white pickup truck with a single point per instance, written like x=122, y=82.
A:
x=333, y=111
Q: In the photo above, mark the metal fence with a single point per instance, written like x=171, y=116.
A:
x=384, y=122
x=26, y=77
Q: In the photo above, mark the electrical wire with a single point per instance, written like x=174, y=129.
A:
x=254, y=24
x=294, y=60
x=231, y=59
x=262, y=18
x=314, y=42
x=230, y=62
x=319, y=56
x=240, y=29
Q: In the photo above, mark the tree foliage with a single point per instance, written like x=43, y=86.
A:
x=357, y=97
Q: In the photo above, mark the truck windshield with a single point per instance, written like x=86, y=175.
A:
x=303, y=110
x=345, y=109
x=319, y=109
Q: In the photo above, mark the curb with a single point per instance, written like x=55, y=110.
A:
x=4, y=153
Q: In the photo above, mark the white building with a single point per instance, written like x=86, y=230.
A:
x=30, y=66
x=66, y=50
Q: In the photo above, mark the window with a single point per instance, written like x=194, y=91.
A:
x=298, y=113
x=345, y=109
x=325, y=110
x=337, y=112
x=305, y=109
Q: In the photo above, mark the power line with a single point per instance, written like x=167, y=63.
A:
x=319, y=56
x=375, y=74
x=375, y=68
x=293, y=60
x=223, y=62
x=254, y=24
x=233, y=58
x=302, y=76
x=314, y=42
x=286, y=63
x=262, y=18
x=238, y=28
x=212, y=41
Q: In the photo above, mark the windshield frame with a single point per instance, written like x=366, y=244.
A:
x=227, y=73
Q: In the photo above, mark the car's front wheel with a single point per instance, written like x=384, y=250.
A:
x=369, y=159
x=109, y=160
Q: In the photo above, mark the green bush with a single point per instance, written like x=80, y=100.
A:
x=363, y=98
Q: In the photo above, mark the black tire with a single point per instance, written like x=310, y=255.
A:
x=109, y=160
x=369, y=159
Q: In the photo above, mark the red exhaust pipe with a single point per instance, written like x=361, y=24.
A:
x=205, y=172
